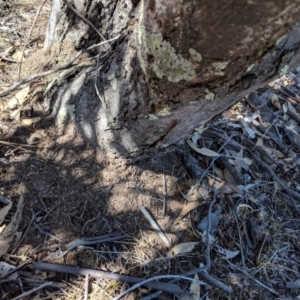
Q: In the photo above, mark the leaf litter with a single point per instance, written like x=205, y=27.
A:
x=258, y=211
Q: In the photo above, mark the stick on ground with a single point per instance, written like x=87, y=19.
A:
x=156, y=227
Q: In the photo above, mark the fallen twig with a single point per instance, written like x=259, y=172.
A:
x=95, y=240
x=86, y=287
x=165, y=195
x=190, y=273
x=241, y=241
x=37, y=226
x=179, y=277
x=208, y=260
x=32, y=291
x=78, y=242
x=204, y=274
x=155, y=226
x=14, y=144
x=188, y=208
x=216, y=282
x=21, y=239
x=95, y=82
x=152, y=283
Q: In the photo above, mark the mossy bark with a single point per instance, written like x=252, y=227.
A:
x=176, y=65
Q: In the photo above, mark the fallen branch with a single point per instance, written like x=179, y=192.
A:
x=152, y=283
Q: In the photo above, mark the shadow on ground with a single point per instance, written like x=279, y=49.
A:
x=77, y=191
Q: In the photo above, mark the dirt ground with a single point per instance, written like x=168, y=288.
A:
x=72, y=190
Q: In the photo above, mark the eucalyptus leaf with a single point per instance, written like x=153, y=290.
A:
x=203, y=151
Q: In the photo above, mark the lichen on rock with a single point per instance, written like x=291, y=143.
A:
x=195, y=55
x=166, y=63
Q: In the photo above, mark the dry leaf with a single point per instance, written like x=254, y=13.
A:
x=8, y=234
x=203, y=151
x=259, y=143
x=229, y=179
x=195, y=288
x=15, y=114
x=2, y=228
x=212, y=182
x=194, y=195
x=225, y=189
x=219, y=173
x=204, y=192
x=275, y=101
x=19, y=98
x=6, y=268
x=227, y=254
x=195, y=137
x=215, y=218
x=246, y=126
x=292, y=108
x=31, y=121
x=265, y=97
x=181, y=248
x=191, y=206
x=248, y=161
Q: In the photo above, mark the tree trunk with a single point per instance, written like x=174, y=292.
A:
x=175, y=65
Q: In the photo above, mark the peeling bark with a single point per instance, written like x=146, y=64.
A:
x=176, y=65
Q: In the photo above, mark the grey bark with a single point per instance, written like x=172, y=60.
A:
x=176, y=65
